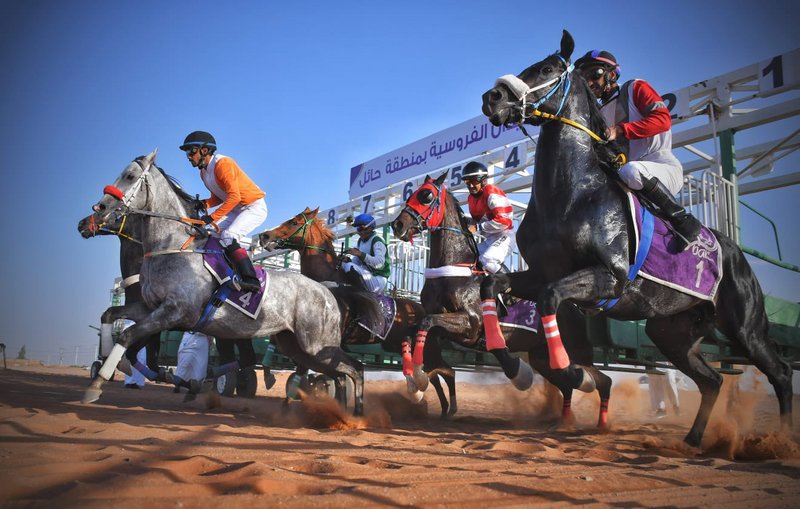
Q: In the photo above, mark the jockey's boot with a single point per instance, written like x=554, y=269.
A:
x=241, y=263
x=354, y=278
x=683, y=223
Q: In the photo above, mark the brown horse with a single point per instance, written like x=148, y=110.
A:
x=453, y=305
x=308, y=234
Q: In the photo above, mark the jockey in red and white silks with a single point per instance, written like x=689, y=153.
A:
x=491, y=212
x=646, y=125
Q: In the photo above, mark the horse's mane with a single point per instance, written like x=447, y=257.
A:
x=187, y=198
x=464, y=223
x=326, y=232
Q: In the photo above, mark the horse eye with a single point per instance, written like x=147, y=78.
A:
x=130, y=176
x=547, y=69
x=426, y=197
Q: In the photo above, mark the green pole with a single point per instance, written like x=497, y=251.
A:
x=728, y=162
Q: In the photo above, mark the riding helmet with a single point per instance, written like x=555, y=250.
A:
x=199, y=139
x=475, y=170
x=364, y=221
x=599, y=57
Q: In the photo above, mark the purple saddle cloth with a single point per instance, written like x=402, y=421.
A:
x=381, y=328
x=248, y=303
x=696, y=271
x=522, y=315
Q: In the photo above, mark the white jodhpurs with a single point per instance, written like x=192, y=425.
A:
x=373, y=282
x=240, y=221
x=669, y=174
x=493, y=251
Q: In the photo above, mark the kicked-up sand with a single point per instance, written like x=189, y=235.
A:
x=504, y=448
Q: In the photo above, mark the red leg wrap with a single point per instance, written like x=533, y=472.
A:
x=602, y=421
x=408, y=368
x=419, y=347
x=566, y=410
x=559, y=359
x=491, y=326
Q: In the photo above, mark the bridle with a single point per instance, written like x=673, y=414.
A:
x=124, y=209
x=302, y=230
x=429, y=217
x=521, y=90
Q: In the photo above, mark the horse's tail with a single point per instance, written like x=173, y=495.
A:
x=742, y=318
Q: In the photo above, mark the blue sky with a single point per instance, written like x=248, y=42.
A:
x=298, y=93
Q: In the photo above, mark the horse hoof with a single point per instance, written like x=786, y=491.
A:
x=524, y=378
x=420, y=379
x=91, y=395
x=414, y=394
x=190, y=396
x=587, y=384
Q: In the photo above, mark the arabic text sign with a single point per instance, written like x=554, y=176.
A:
x=463, y=141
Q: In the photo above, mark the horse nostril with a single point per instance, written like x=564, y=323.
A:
x=99, y=208
x=496, y=94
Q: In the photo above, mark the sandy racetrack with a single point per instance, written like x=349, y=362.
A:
x=146, y=448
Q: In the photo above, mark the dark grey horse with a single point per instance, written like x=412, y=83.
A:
x=576, y=238
x=301, y=315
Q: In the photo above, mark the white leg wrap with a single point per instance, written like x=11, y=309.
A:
x=111, y=361
x=106, y=341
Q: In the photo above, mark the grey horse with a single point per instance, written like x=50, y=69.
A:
x=301, y=315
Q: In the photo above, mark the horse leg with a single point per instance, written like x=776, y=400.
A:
x=153, y=350
x=522, y=285
x=558, y=379
x=742, y=318
x=573, y=325
x=678, y=338
x=603, y=383
x=436, y=367
x=586, y=285
x=147, y=322
x=333, y=361
x=456, y=324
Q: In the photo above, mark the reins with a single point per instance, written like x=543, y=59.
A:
x=286, y=244
x=196, y=224
x=521, y=90
x=435, y=208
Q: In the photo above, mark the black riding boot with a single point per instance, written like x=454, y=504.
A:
x=241, y=263
x=354, y=278
x=684, y=223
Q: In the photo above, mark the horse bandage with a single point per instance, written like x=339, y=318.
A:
x=559, y=358
x=408, y=367
x=491, y=326
x=419, y=347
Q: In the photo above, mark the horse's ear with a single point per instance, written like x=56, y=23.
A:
x=567, y=45
x=428, y=178
x=441, y=178
x=313, y=213
x=150, y=158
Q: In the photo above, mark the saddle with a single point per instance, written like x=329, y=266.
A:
x=218, y=265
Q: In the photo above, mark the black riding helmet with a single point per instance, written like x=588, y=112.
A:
x=199, y=139
x=475, y=170
x=600, y=57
